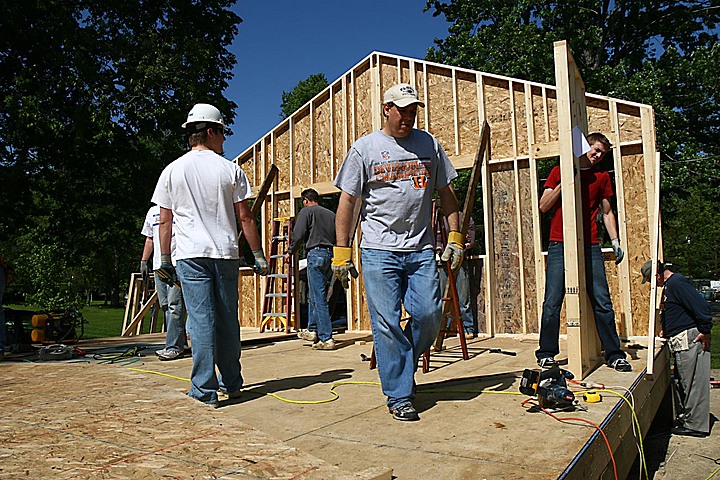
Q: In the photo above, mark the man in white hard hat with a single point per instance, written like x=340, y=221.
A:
x=201, y=196
x=396, y=170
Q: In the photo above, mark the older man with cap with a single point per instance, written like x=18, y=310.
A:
x=393, y=172
x=686, y=322
x=205, y=195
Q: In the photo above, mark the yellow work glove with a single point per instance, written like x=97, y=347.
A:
x=342, y=265
x=454, y=250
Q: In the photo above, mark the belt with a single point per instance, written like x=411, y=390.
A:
x=321, y=246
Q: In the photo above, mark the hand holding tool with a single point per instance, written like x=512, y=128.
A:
x=261, y=264
x=454, y=250
x=166, y=272
x=619, y=254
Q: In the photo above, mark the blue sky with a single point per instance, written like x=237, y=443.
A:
x=282, y=42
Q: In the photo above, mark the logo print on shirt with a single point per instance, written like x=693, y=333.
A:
x=385, y=155
x=416, y=171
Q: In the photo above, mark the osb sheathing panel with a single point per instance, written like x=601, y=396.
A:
x=629, y=121
x=638, y=245
x=440, y=107
x=508, y=303
x=598, y=117
x=282, y=157
x=540, y=125
x=404, y=73
x=467, y=114
x=552, y=114
x=321, y=144
x=477, y=292
x=499, y=117
x=420, y=80
x=363, y=102
x=301, y=150
x=340, y=119
x=125, y=424
x=247, y=307
x=520, y=119
x=388, y=73
x=529, y=284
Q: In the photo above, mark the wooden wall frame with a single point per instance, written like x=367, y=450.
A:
x=309, y=146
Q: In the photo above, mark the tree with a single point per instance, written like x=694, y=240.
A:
x=657, y=52
x=94, y=94
x=302, y=93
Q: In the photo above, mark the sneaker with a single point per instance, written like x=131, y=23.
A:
x=621, y=365
x=405, y=413
x=231, y=395
x=169, y=354
x=307, y=335
x=547, y=362
x=326, y=345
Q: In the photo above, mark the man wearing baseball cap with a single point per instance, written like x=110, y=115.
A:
x=686, y=322
x=395, y=170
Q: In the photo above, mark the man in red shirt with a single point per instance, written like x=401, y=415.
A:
x=596, y=190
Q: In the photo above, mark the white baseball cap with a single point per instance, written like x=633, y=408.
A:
x=402, y=95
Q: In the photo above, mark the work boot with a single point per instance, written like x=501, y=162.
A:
x=620, y=365
x=326, y=345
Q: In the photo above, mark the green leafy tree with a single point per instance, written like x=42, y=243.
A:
x=94, y=94
x=302, y=93
x=656, y=52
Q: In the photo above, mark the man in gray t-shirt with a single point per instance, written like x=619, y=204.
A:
x=395, y=170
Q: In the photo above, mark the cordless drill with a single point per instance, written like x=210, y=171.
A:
x=550, y=386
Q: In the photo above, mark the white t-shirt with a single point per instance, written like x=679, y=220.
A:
x=201, y=188
x=151, y=229
x=396, y=178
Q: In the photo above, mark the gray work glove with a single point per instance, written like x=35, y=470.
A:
x=166, y=272
x=619, y=254
x=261, y=266
x=454, y=250
x=143, y=268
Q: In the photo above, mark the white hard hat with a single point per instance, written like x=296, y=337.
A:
x=204, y=113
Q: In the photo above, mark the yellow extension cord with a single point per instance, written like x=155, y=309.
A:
x=335, y=395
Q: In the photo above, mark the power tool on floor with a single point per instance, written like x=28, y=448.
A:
x=550, y=386
x=58, y=327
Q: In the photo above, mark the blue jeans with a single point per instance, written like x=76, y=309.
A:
x=319, y=272
x=597, y=290
x=171, y=303
x=210, y=288
x=391, y=278
x=2, y=313
x=462, y=283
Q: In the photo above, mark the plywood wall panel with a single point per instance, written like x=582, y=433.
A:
x=499, y=117
x=468, y=127
x=388, y=73
x=301, y=150
x=363, y=102
x=638, y=241
x=321, y=140
x=540, y=126
x=529, y=284
x=598, y=117
x=440, y=107
x=630, y=126
x=552, y=114
x=340, y=118
x=476, y=271
x=420, y=86
x=248, y=316
x=508, y=302
x=282, y=157
x=521, y=140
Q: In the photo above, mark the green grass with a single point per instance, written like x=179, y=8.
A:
x=101, y=321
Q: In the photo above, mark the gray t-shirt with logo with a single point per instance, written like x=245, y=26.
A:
x=396, y=178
